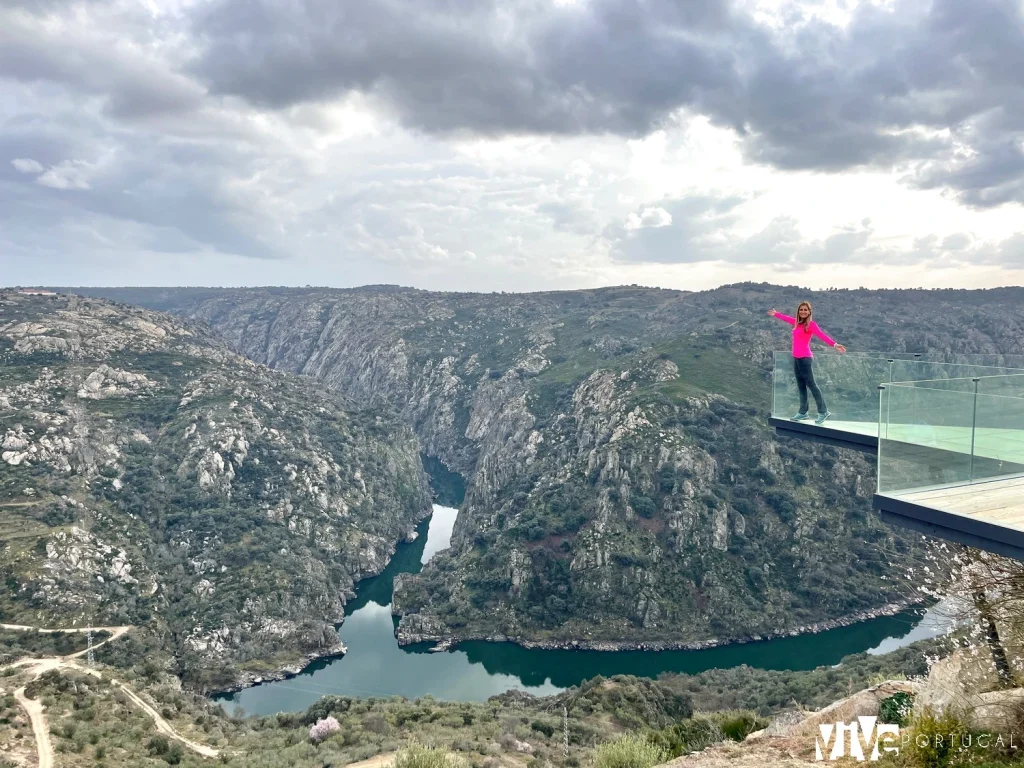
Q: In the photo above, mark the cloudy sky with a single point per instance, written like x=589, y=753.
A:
x=512, y=144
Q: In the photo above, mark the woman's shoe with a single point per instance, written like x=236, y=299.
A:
x=821, y=417
x=799, y=417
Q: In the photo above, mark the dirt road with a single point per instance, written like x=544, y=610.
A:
x=45, y=664
x=115, y=632
x=39, y=728
x=377, y=761
x=163, y=726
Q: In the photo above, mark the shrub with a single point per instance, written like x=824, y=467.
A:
x=896, y=708
x=377, y=723
x=642, y=505
x=158, y=745
x=427, y=757
x=690, y=735
x=630, y=751
x=544, y=728
x=940, y=741
x=323, y=728
x=738, y=725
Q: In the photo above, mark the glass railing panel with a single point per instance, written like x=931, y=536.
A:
x=1011, y=385
x=917, y=370
x=783, y=384
x=998, y=445
x=989, y=360
x=948, y=385
x=924, y=438
x=848, y=384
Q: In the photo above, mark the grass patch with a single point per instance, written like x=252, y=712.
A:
x=630, y=751
x=715, y=370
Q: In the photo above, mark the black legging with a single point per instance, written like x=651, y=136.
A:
x=805, y=380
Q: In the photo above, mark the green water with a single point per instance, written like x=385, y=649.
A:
x=376, y=666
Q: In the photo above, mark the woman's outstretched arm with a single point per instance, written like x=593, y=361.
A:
x=782, y=317
x=816, y=330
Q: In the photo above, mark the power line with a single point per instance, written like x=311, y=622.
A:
x=565, y=729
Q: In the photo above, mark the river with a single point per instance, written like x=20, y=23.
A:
x=376, y=666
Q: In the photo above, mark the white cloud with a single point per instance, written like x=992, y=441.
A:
x=67, y=175
x=27, y=165
x=649, y=217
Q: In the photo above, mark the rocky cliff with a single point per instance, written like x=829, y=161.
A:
x=622, y=484
x=150, y=475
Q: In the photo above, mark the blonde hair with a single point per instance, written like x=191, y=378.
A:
x=810, y=315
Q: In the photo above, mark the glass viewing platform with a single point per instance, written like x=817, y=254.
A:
x=948, y=432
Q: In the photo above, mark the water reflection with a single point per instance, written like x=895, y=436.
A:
x=376, y=666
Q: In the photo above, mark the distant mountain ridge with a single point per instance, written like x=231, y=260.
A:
x=622, y=484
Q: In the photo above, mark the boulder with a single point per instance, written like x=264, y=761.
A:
x=967, y=684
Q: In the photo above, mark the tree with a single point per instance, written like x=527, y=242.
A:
x=982, y=592
x=323, y=728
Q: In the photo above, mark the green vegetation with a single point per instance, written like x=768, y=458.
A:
x=15, y=644
x=93, y=723
x=154, y=478
x=629, y=751
x=699, y=732
x=427, y=757
x=945, y=740
x=896, y=708
x=766, y=691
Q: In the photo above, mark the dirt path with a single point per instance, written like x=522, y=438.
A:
x=115, y=632
x=378, y=761
x=740, y=756
x=386, y=759
x=46, y=663
x=39, y=728
x=163, y=726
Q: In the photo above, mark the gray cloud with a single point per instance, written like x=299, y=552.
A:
x=201, y=131
x=485, y=67
x=702, y=229
x=132, y=83
x=175, y=190
x=994, y=175
x=898, y=85
x=698, y=225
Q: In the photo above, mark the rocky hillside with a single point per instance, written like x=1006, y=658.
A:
x=152, y=476
x=622, y=484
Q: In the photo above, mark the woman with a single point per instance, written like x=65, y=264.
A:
x=804, y=328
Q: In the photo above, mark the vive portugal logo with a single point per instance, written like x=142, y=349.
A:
x=864, y=735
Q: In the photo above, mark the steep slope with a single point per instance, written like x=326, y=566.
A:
x=622, y=485
x=150, y=475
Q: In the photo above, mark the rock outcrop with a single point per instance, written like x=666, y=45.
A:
x=163, y=477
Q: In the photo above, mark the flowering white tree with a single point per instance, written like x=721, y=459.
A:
x=982, y=593
x=324, y=727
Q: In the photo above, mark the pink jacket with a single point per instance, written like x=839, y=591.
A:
x=802, y=336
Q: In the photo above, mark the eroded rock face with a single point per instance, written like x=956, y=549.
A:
x=414, y=628
x=175, y=478
x=107, y=382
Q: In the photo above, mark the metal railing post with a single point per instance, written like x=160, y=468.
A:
x=974, y=427
x=775, y=366
x=887, y=402
x=878, y=453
